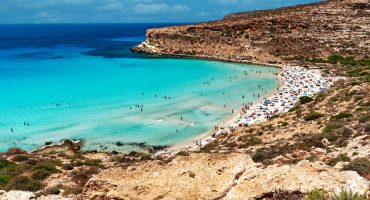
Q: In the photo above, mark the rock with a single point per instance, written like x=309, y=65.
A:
x=17, y=195
x=214, y=176
x=67, y=166
x=48, y=143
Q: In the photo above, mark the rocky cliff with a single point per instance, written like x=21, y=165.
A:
x=272, y=36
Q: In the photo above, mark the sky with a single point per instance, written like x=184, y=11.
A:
x=128, y=11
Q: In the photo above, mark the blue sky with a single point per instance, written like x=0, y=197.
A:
x=124, y=11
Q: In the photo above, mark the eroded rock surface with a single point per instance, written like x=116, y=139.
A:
x=215, y=176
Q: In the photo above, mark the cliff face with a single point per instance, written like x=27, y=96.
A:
x=313, y=30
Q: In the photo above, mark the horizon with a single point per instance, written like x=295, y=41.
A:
x=129, y=12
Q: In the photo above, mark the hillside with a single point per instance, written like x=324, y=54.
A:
x=290, y=34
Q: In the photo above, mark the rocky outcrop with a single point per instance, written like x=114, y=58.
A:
x=21, y=195
x=216, y=176
x=271, y=37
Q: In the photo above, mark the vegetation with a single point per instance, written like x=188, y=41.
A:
x=305, y=99
x=20, y=158
x=41, y=174
x=344, y=194
x=24, y=183
x=341, y=115
x=316, y=194
x=341, y=157
x=360, y=165
x=343, y=60
x=313, y=116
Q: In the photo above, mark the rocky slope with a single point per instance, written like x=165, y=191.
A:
x=271, y=37
x=216, y=176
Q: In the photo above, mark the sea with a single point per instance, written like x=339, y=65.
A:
x=82, y=82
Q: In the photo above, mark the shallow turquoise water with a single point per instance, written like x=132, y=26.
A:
x=64, y=94
x=90, y=98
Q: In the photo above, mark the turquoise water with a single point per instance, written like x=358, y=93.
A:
x=60, y=92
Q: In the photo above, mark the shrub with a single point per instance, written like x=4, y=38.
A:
x=24, y=183
x=4, y=179
x=365, y=118
x=54, y=190
x=341, y=157
x=360, y=165
x=330, y=127
x=47, y=166
x=313, y=116
x=285, y=124
x=146, y=157
x=32, y=161
x=341, y=115
x=345, y=194
x=183, y=153
x=40, y=174
x=281, y=194
x=261, y=155
x=6, y=165
x=316, y=194
x=14, y=151
x=92, y=162
x=305, y=99
x=249, y=141
x=72, y=190
x=20, y=158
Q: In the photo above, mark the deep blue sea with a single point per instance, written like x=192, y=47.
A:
x=82, y=82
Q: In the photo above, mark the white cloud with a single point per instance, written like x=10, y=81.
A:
x=224, y=2
x=156, y=8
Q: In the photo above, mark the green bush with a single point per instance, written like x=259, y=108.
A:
x=330, y=127
x=47, y=166
x=40, y=174
x=4, y=179
x=305, y=99
x=261, y=155
x=341, y=115
x=360, y=165
x=92, y=162
x=20, y=158
x=54, y=190
x=6, y=166
x=248, y=141
x=285, y=124
x=24, y=183
x=365, y=118
x=341, y=157
x=345, y=194
x=316, y=194
x=313, y=116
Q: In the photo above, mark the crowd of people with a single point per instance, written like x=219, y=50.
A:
x=296, y=82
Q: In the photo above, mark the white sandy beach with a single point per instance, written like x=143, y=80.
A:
x=294, y=83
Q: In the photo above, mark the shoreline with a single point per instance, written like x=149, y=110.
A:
x=229, y=123
x=192, y=144
x=150, y=50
